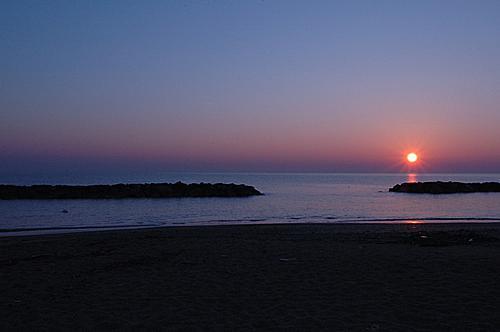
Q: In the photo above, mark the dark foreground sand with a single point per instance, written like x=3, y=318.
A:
x=305, y=277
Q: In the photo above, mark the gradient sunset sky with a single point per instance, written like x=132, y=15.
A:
x=330, y=86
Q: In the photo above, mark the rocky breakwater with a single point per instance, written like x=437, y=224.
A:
x=117, y=191
x=439, y=187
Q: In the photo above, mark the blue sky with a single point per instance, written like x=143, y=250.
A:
x=249, y=85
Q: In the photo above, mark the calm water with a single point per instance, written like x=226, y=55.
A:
x=289, y=198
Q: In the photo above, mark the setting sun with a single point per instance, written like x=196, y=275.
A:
x=412, y=157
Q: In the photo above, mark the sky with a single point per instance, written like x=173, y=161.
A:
x=306, y=86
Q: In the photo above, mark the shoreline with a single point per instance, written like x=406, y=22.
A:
x=43, y=231
x=232, y=277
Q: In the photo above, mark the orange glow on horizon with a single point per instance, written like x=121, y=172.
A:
x=412, y=157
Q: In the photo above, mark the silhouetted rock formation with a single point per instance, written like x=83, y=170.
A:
x=147, y=190
x=439, y=187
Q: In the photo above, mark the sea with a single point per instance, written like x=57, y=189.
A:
x=288, y=198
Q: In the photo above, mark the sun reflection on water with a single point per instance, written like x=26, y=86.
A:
x=414, y=222
x=412, y=178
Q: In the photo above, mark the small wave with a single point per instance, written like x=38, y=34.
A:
x=307, y=217
x=381, y=220
x=63, y=228
x=236, y=221
x=340, y=220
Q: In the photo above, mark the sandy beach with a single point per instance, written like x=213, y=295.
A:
x=411, y=277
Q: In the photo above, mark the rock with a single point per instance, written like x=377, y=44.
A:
x=439, y=187
x=146, y=190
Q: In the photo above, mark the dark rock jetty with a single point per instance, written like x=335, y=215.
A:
x=439, y=187
x=146, y=190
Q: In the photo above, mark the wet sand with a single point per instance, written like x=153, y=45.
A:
x=411, y=277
